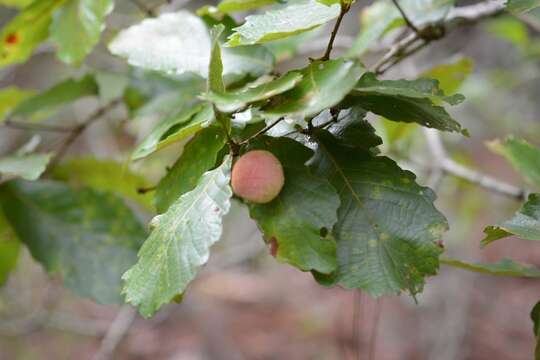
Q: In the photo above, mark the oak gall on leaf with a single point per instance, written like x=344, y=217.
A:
x=257, y=177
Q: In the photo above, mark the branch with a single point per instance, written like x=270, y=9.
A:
x=442, y=163
x=262, y=131
x=78, y=130
x=36, y=126
x=406, y=18
x=344, y=9
x=116, y=333
x=432, y=32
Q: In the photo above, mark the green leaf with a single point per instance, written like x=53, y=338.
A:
x=29, y=167
x=105, y=176
x=524, y=157
x=353, y=131
x=77, y=27
x=253, y=60
x=324, y=84
x=87, y=237
x=16, y=3
x=173, y=43
x=504, y=267
x=199, y=155
x=178, y=43
x=25, y=31
x=388, y=227
x=522, y=6
x=301, y=218
x=451, y=75
x=215, y=72
x=10, y=97
x=229, y=6
x=284, y=22
x=237, y=99
x=406, y=101
x=47, y=102
x=535, y=317
x=9, y=249
x=418, y=89
x=175, y=128
x=525, y=223
x=180, y=242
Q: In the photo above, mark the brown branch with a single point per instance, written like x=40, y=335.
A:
x=344, y=9
x=78, y=130
x=118, y=329
x=262, y=131
x=455, y=18
x=406, y=18
x=23, y=125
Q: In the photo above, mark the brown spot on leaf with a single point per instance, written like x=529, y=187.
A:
x=12, y=39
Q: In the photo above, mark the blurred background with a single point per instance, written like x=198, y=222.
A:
x=245, y=305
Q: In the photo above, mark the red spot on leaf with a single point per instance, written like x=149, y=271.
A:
x=274, y=246
x=12, y=39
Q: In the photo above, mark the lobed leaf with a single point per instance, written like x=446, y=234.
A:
x=280, y=23
x=525, y=223
x=504, y=267
x=179, y=243
x=175, y=128
x=301, y=218
x=26, y=166
x=524, y=157
x=324, y=84
x=86, y=237
x=26, y=31
x=406, y=101
x=388, y=227
x=48, y=101
x=237, y=99
x=77, y=27
x=199, y=155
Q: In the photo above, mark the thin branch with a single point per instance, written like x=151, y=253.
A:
x=23, y=125
x=78, y=130
x=262, y=131
x=442, y=162
x=344, y=9
x=118, y=329
x=456, y=16
x=485, y=181
x=406, y=18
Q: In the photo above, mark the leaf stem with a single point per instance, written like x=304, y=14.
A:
x=344, y=9
x=406, y=18
x=262, y=131
x=78, y=130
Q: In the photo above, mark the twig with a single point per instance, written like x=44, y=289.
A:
x=441, y=162
x=116, y=333
x=455, y=17
x=36, y=126
x=406, y=18
x=262, y=131
x=344, y=9
x=487, y=182
x=78, y=130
